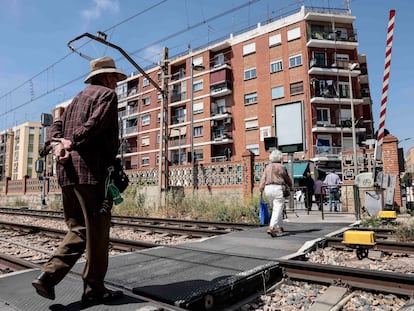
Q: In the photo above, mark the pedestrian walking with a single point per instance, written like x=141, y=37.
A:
x=319, y=192
x=332, y=181
x=85, y=142
x=274, y=179
x=309, y=183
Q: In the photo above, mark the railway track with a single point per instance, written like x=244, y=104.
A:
x=119, y=244
x=190, y=228
x=383, y=281
x=352, y=279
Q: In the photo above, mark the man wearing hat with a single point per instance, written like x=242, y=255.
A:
x=85, y=143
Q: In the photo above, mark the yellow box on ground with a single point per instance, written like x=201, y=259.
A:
x=387, y=214
x=356, y=237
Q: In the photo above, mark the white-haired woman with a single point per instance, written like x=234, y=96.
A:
x=274, y=177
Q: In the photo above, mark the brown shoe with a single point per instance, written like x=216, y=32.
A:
x=271, y=232
x=91, y=299
x=280, y=230
x=44, y=286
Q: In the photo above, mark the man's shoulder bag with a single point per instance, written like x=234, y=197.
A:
x=118, y=176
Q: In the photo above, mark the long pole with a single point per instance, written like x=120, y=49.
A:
x=387, y=66
x=353, y=124
x=192, y=123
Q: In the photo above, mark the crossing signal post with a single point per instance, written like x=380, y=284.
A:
x=46, y=120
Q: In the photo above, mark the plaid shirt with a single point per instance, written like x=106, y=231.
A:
x=91, y=123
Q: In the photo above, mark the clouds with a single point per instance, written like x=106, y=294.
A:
x=100, y=7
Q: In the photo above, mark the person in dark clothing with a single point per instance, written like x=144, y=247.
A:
x=309, y=183
x=85, y=143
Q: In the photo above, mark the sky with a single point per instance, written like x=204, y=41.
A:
x=38, y=70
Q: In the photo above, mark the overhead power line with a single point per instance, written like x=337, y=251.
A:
x=190, y=27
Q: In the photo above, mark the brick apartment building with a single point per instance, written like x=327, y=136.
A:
x=239, y=83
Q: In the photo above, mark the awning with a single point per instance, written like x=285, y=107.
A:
x=177, y=131
x=299, y=169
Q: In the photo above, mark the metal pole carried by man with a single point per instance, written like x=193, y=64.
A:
x=85, y=143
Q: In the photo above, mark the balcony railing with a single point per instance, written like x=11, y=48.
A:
x=178, y=97
x=327, y=151
x=221, y=89
x=178, y=119
x=131, y=130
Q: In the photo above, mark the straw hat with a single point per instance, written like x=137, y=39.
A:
x=104, y=65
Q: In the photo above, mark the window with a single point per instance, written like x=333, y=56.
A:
x=342, y=33
x=249, y=48
x=251, y=124
x=275, y=40
x=250, y=98
x=276, y=66
x=145, y=82
x=145, y=161
x=319, y=59
x=198, y=155
x=278, y=92
x=295, y=61
x=343, y=57
x=159, y=96
x=198, y=131
x=158, y=138
x=253, y=148
x=146, y=101
x=146, y=119
x=293, y=34
x=322, y=116
x=198, y=108
x=198, y=85
x=296, y=88
x=158, y=117
x=344, y=91
x=250, y=74
x=218, y=60
x=221, y=106
x=198, y=61
x=122, y=90
x=265, y=132
x=145, y=141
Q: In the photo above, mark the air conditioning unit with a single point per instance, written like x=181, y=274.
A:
x=227, y=121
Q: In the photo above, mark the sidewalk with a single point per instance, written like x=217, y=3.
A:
x=302, y=215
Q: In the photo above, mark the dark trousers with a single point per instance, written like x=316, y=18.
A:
x=88, y=230
x=308, y=200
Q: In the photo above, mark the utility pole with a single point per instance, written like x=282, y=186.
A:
x=163, y=153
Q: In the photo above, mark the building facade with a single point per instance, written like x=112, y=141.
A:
x=308, y=58
x=19, y=148
x=409, y=160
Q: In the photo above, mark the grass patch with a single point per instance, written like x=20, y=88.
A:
x=208, y=208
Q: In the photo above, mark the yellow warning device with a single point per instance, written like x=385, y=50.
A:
x=387, y=214
x=357, y=237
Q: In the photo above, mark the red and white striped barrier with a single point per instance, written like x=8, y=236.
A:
x=388, y=50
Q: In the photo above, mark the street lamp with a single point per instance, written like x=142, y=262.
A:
x=179, y=143
x=350, y=68
x=192, y=68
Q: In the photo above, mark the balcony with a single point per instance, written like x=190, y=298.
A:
x=327, y=151
x=178, y=96
x=339, y=125
x=221, y=137
x=131, y=130
x=338, y=68
x=331, y=40
x=178, y=119
x=221, y=89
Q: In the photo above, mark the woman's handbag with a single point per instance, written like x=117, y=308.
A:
x=263, y=212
